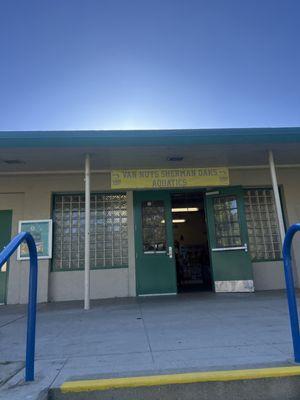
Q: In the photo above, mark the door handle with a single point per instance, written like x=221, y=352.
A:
x=170, y=252
x=245, y=248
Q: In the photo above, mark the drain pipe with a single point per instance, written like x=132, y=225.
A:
x=87, y=233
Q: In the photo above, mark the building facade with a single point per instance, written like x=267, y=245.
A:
x=170, y=211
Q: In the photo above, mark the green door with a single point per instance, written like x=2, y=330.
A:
x=228, y=237
x=5, y=236
x=155, y=265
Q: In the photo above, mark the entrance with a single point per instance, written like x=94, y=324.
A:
x=191, y=242
x=5, y=236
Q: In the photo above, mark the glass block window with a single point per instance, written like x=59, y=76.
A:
x=154, y=227
x=108, y=236
x=262, y=223
x=227, y=226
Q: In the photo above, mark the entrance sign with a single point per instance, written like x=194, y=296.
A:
x=169, y=178
x=41, y=231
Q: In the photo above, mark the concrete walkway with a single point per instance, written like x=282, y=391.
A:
x=199, y=331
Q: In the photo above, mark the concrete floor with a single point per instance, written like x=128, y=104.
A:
x=197, y=331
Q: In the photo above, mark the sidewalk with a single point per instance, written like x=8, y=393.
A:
x=123, y=337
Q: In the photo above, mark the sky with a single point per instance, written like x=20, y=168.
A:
x=149, y=64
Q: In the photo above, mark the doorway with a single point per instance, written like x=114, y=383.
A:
x=191, y=241
x=193, y=267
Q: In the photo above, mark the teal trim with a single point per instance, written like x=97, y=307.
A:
x=148, y=137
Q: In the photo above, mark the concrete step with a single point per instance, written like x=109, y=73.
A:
x=281, y=383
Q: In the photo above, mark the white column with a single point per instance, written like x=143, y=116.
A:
x=87, y=234
x=276, y=195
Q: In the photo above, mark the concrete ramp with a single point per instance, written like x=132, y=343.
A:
x=281, y=383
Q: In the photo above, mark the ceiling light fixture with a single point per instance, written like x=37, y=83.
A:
x=185, y=209
x=175, y=221
x=175, y=158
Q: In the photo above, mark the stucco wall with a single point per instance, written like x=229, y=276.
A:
x=30, y=198
x=105, y=283
x=270, y=275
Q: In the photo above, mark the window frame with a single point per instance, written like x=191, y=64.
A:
x=238, y=222
x=79, y=193
x=266, y=187
x=153, y=252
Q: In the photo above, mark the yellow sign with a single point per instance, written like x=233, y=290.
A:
x=168, y=178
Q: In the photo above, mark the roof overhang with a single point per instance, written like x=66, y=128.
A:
x=65, y=151
x=148, y=137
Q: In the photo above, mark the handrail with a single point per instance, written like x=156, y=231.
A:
x=289, y=279
x=31, y=318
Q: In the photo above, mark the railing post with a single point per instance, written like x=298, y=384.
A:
x=290, y=287
x=31, y=319
x=32, y=295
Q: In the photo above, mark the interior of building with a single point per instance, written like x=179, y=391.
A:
x=191, y=242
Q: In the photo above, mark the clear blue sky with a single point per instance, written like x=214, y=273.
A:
x=130, y=64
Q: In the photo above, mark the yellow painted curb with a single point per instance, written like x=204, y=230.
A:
x=193, y=377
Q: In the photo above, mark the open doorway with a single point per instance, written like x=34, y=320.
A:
x=191, y=242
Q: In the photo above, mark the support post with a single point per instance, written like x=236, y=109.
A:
x=276, y=196
x=87, y=234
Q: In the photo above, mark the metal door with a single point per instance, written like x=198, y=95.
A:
x=228, y=238
x=155, y=265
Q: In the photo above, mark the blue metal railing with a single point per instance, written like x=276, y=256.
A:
x=289, y=279
x=31, y=318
